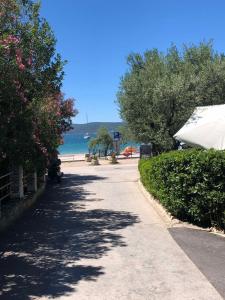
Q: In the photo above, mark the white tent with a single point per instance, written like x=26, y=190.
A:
x=205, y=128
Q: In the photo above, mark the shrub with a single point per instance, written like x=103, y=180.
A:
x=190, y=184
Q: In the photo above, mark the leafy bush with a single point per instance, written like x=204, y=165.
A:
x=190, y=184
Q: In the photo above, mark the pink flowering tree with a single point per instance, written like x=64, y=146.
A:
x=33, y=111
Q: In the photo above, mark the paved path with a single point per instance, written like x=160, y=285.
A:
x=95, y=236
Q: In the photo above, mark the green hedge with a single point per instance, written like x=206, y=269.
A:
x=190, y=184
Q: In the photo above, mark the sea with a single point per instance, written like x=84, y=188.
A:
x=75, y=143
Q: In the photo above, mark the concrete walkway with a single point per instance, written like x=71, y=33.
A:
x=95, y=236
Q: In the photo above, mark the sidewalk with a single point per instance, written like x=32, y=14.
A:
x=95, y=236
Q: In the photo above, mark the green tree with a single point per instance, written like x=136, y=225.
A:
x=126, y=134
x=93, y=145
x=33, y=110
x=105, y=140
x=160, y=91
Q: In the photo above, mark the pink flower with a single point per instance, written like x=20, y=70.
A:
x=19, y=59
x=10, y=40
x=21, y=66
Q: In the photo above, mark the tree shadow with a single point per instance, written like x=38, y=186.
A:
x=41, y=254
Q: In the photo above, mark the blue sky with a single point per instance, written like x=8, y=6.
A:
x=96, y=36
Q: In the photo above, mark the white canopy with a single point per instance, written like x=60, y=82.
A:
x=205, y=128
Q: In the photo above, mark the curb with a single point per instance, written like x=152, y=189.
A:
x=160, y=210
x=168, y=219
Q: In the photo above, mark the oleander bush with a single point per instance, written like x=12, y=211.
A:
x=190, y=184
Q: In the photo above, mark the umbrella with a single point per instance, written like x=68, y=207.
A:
x=205, y=128
x=130, y=149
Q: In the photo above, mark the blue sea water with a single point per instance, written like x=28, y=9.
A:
x=75, y=143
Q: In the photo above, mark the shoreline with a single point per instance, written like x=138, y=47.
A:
x=81, y=157
x=72, y=157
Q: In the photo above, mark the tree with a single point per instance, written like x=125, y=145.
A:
x=93, y=145
x=33, y=110
x=126, y=134
x=103, y=141
x=160, y=91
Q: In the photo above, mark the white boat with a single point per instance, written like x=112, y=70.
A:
x=87, y=136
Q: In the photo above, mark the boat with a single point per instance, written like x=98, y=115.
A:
x=87, y=136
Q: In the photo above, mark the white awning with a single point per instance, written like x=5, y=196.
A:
x=205, y=128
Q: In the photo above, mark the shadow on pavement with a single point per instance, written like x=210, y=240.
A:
x=40, y=255
x=206, y=250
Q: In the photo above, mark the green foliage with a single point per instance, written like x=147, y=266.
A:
x=126, y=134
x=33, y=111
x=160, y=91
x=95, y=157
x=93, y=145
x=103, y=141
x=190, y=184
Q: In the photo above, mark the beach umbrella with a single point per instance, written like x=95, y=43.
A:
x=130, y=149
x=205, y=128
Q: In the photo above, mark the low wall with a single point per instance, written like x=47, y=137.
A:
x=17, y=210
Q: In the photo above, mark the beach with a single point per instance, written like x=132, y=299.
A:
x=72, y=157
x=81, y=157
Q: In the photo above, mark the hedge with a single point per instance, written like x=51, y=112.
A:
x=190, y=184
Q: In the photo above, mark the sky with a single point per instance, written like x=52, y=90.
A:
x=96, y=36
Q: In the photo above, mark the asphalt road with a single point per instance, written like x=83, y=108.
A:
x=206, y=250
x=95, y=236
